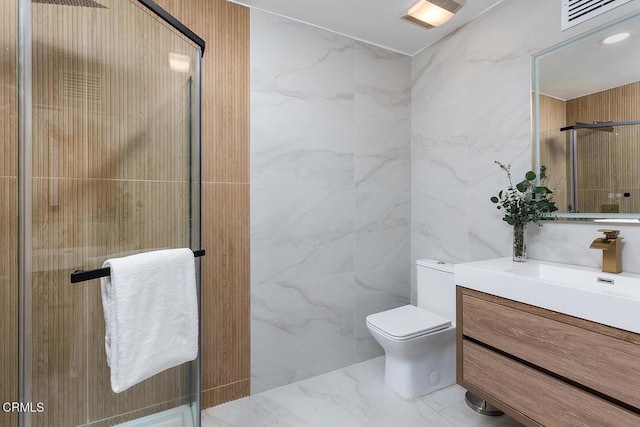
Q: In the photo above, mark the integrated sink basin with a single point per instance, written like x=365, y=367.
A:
x=587, y=293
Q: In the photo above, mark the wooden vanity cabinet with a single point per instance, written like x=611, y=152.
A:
x=546, y=368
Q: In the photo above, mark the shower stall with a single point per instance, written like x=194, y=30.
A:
x=593, y=166
x=100, y=125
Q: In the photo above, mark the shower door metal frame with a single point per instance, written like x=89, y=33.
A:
x=25, y=168
x=25, y=122
x=573, y=149
x=171, y=20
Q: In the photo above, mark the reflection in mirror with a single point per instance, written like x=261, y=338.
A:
x=587, y=122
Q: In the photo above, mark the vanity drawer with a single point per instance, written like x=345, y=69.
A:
x=546, y=400
x=569, y=351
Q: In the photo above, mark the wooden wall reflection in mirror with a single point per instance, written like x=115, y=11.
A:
x=587, y=122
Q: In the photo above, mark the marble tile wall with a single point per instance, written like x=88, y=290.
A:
x=470, y=106
x=330, y=197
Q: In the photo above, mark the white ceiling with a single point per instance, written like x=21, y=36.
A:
x=374, y=21
x=589, y=66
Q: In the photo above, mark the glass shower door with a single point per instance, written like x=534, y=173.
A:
x=112, y=173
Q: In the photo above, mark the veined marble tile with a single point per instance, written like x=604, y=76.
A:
x=460, y=415
x=502, y=132
x=514, y=28
x=302, y=105
x=284, y=406
x=299, y=233
x=440, y=225
x=439, y=228
x=352, y=396
x=382, y=119
x=440, y=162
x=382, y=150
x=300, y=324
x=382, y=69
x=301, y=143
x=569, y=243
x=444, y=398
x=357, y=396
x=487, y=172
x=382, y=221
x=437, y=74
x=489, y=235
x=287, y=55
x=328, y=115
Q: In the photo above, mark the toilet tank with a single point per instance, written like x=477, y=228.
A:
x=436, y=288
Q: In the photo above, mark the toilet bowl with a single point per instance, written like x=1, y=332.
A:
x=419, y=342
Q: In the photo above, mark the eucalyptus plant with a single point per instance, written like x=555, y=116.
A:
x=526, y=201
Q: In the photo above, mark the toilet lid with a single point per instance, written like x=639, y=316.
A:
x=407, y=322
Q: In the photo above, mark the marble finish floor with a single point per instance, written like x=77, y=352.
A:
x=349, y=397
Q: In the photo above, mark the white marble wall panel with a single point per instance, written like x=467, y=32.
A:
x=382, y=261
x=432, y=165
x=302, y=106
x=382, y=230
x=382, y=119
x=330, y=200
x=382, y=182
x=488, y=234
x=298, y=324
x=482, y=75
x=298, y=233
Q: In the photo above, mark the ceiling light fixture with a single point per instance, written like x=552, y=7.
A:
x=433, y=13
x=615, y=38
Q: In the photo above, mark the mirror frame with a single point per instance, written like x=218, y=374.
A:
x=626, y=218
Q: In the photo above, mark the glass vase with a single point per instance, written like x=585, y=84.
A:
x=520, y=242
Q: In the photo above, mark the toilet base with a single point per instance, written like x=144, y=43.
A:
x=422, y=365
x=481, y=406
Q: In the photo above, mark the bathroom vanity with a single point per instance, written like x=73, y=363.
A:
x=525, y=345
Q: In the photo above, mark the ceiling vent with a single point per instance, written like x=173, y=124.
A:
x=576, y=11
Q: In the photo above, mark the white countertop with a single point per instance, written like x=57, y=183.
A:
x=565, y=288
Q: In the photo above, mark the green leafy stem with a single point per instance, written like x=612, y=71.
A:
x=526, y=202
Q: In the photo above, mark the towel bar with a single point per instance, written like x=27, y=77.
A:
x=84, y=275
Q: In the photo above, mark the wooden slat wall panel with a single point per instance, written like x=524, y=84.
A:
x=8, y=296
x=225, y=81
x=8, y=211
x=605, y=169
x=225, y=205
x=226, y=393
x=8, y=89
x=226, y=294
x=58, y=334
x=553, y=114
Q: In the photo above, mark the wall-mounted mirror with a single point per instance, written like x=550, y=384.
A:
x=587, y=122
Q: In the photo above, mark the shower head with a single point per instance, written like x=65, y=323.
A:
x=77, y=3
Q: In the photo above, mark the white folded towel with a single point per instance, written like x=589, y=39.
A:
x=151, y=314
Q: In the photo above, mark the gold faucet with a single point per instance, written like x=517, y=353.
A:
x=611, y=250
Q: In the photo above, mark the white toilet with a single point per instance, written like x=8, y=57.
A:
x=420, y=342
